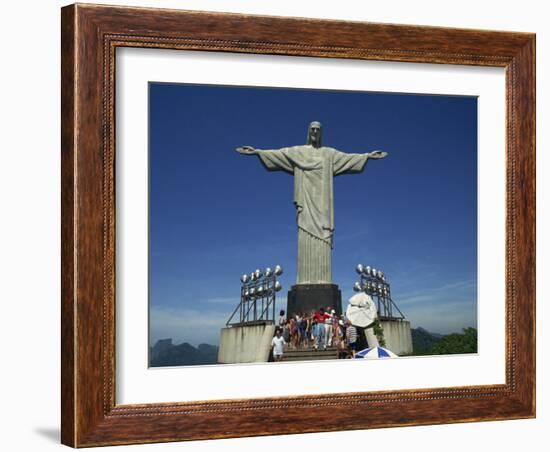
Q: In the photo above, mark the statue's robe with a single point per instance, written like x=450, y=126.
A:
x=313, y=169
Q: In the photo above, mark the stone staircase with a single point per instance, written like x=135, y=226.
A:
x=310, y=354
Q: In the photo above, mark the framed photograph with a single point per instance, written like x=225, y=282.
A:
x=282, y=225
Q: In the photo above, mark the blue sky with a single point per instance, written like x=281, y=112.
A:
x=215, y=214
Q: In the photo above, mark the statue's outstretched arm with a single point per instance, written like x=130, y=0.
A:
x=349, y=163
x=273, y=160
x=377, y=154
x=246, y=150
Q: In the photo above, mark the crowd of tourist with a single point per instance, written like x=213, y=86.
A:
x=316, y=330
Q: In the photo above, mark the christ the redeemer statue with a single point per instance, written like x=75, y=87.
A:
x=313, y=167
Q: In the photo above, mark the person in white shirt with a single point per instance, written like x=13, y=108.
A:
x=328, y=327
x=278, y=343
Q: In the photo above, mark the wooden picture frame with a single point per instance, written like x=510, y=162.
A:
x=90, y=36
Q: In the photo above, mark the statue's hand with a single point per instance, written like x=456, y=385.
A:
x=377, y=154
x=247, y=150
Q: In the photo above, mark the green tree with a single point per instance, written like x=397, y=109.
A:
x=456, y=343
x=379, y=333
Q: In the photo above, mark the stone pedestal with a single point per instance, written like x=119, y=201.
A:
x=310, y=297
x=398, y=337
x=246, y=343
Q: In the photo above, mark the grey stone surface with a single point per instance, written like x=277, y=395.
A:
x=310, y=297
x=314, y=167
x=245, y=344
x=398, y=336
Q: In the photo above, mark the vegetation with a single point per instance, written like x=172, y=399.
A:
x=379, y=333
x=423, y=341
x=465, y=342
x=426, y=343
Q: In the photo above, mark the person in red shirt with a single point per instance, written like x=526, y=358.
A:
x=319, y=328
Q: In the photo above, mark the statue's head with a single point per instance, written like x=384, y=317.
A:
x=314, y=134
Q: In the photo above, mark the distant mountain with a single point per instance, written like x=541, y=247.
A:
x=161, y=346
x=165, y=353
x=423, y=341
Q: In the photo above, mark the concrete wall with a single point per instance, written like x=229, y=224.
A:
x=245, y=344
x=397, y=334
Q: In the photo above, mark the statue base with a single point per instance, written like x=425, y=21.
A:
x=310, y=297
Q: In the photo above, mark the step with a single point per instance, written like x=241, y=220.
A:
x=310, y=354
x=309, y=358
x=311, y=350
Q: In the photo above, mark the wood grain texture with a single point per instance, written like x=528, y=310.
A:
x=90, y=36
x=68, y=311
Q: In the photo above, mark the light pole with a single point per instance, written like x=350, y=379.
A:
x=375, y=283
x=258, y=296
